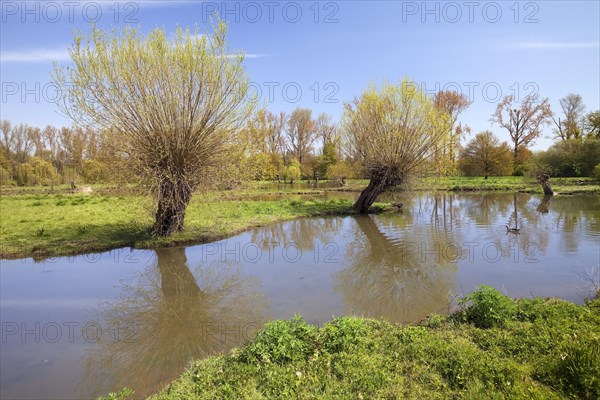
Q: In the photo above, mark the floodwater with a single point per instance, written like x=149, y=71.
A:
x=79, y=327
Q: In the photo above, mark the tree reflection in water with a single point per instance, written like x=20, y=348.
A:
x=544, y=206
x=303, y=233
x=168, y=317
x=397, y=279
x=493, y=212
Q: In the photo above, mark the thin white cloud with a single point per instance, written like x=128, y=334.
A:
x=34, y=56
x=49, y=55
x=557, y=45
x=257, y=55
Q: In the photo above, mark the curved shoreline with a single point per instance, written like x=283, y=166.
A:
x=53, y=225
x=192, y=236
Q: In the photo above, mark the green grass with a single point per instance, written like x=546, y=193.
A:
x=535, y=349
x=43, y=225
x=454, y=183
x=98, y=188
x=508, y=183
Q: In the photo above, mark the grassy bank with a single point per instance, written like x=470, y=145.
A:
x=43, y=225
x=509, y=183
x=452, y=183
x=251, y=188
x=495, y=348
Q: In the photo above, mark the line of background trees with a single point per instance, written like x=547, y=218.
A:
x=33, y=156
x=299, y=146
x=575, y=153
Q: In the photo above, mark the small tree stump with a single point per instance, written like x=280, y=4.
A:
x=544, y=180
x=397, y=206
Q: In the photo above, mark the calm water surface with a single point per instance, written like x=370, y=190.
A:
x=78, y=327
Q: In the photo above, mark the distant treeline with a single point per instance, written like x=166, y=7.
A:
x=299, y=146
x=272, y=146
x=34, y=156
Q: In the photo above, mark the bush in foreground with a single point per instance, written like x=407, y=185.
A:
x=488, y=308
x=525, y=349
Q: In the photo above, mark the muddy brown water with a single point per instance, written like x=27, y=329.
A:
x=79, y=327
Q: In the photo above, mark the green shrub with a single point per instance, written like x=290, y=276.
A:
x=488, y=308
x=596, y=174
x=35, y=172
x=94, y=171
x=282, y=341
x=326, y=160
x=343, y=334
x=571, y=157
x=520, y=170
x=291, y=172
x=122, y=394
x=435, y=321
x=528, y=310
x=24, y=175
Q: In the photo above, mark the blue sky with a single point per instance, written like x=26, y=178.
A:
x=332, y=50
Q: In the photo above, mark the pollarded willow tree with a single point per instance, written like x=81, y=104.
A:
x=171, y=107
x=390, y=131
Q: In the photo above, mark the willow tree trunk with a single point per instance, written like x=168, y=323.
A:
x=544, y=180
x=173, y=199
x=379, y=183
